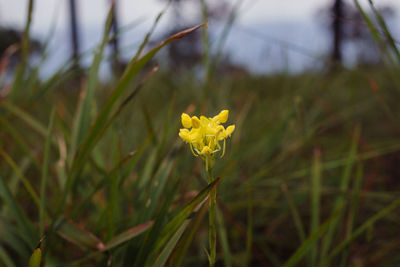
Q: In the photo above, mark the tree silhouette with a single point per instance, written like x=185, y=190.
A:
x=348, y=29
x=74, y=32
x=337, y=29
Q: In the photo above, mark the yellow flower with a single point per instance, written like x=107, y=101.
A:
x=205, y=134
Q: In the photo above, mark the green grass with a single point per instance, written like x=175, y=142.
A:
x=94, y=173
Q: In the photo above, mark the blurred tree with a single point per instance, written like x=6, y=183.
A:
x=9, y=37
x=348, y=30
x=337, y=30
x=189, y=51
x=74, y=32
x=359, y=34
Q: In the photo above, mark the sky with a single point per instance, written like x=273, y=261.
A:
x=92, y=12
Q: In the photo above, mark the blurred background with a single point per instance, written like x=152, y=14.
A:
x=265, y=36
x=93, y=173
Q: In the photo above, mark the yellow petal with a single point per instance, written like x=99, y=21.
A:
x=204, y=120
x=186, y=120
x=220, y=135
x=195, y=136
x=229, y=130
x=222, y=117
x=195, y=122
x=210, y=131
x=185, y=136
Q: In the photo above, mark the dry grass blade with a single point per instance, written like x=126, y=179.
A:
x=77, y=235
x=127, y=235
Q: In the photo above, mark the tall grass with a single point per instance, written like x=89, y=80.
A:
x=97, y=176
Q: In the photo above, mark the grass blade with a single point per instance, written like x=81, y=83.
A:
x=175, y=223
x=127, y=235
x=386, y=31
x=309, y=243
x=157, y=185
x=170, y=229
x=365, y=226
x=19, y=77
x=353, y=208
x=28, y=119
x=374, y=31
x=180, y=252
x=226, y=251
x=343, y=188
x=11, y=238
x=206, y=47
x=224, y=35
x=45, y=174
x=19, y=173
x=169, y=247
x=83, y=119
x=315, y=201
x=5, y=258
x=131, y=159
x=295, y=213
x=329, y=165
x=148, y=34
x=27, y=230
x=19, y=140
x=36, y=258
x=115, y=241
x=249, y=232
x=77, y=235
x=143, y=250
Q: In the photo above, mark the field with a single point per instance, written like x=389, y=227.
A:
x=93, y=173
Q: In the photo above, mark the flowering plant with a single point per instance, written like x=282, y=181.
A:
x=204, y=136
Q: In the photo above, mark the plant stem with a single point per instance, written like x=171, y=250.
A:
x=212, y=229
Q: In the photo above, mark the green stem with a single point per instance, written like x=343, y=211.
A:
x=212, y=229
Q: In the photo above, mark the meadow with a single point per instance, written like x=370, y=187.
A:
x=93, y=173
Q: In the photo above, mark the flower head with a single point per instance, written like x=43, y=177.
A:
x=205, y=134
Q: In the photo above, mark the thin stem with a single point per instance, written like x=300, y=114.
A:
x=212, y=229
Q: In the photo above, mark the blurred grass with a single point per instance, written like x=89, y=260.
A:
x=108, y=181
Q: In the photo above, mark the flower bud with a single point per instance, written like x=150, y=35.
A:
x=229, y=130
x=185, y=136
x=195, y=122
x=223, y=116
x=186, y=120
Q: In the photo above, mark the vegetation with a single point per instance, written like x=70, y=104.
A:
x=94, y=173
